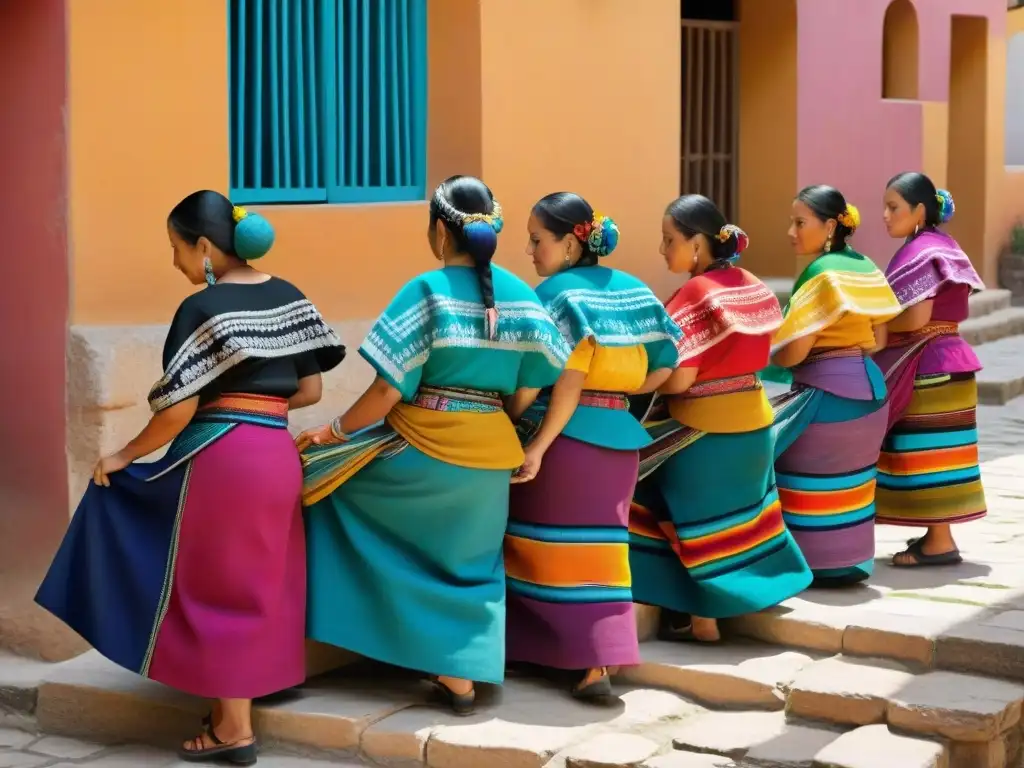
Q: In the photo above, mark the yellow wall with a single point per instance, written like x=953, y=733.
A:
x=768, y=157
x=576, y=108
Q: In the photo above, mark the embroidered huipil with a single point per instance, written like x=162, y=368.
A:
x=933, y=266
x=430, y=342
x=619, y=333
x=727, y=317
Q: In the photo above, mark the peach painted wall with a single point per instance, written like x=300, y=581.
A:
x=767, y=131
x=33, y=307
x=1013, y=209
x=851, y=138
x=514, y=119
x=568, y=104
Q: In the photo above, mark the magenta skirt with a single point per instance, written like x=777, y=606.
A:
x=194, y=573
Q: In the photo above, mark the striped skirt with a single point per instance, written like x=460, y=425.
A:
x=827, y=450
x=570, y=605
x=928, y=470
x=707, y=535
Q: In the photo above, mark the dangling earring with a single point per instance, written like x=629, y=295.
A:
x=211, y=279
x=568, y=252
x=828, y=243
x=917, y=228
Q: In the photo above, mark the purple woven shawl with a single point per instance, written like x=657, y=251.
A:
x=926, y=265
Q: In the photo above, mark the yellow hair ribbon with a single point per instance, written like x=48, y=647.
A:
x=238, y=213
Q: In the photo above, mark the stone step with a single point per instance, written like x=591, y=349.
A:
x=989, y=301
x=991, y=327
x=375, y=714
x=771, y=739
x=968, y=712
x=737, y=675
x=1002, y=376
x=973, y=623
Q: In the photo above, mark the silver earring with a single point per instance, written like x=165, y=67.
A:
x=211, y=279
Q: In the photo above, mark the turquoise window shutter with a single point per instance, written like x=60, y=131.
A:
x=328, y=100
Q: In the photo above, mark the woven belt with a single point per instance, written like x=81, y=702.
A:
x=831, y=354
x=929, y=331
x=748, y=382
x=455, y=400
x=241, y=408
x=615, y=401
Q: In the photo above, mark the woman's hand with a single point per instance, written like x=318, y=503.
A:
x=531, y=464
x=316, y=436
x=107, y=466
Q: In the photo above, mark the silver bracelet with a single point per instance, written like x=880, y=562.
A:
x=337, y=431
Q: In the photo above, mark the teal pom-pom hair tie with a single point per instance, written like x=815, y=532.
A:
x=946, y=205
x=254, y=235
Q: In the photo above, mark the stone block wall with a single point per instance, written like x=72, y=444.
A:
x=110, y=371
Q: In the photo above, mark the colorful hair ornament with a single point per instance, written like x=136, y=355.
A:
x=850, y=218
x=731, y=230
x=238, y=213
x=602, y=235
x=495, y=219
x=946, y=205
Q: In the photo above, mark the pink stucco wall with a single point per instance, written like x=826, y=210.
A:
x=34, y=288
x=847, y=135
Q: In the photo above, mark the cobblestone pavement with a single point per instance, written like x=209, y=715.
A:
x=19, y=749
x=942, y=623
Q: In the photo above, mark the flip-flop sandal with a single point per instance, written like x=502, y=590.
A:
x=234, y=753
x=462, y=704
x=924, y=560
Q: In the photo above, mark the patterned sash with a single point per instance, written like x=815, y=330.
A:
x=218, y=417
x=326, y=467
x=668, y=435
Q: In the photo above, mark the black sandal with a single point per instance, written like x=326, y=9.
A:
x=234, y=753
x=462, y=704
x=922, y=560
x=599, y=691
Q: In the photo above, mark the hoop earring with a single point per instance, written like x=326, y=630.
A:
x=211, y=279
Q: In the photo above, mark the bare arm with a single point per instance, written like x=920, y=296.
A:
x=163, y=427
x=680, y=381
x=517, y=404
x=311, y=389
x=564, y=398
x=372, y=406
x=653, y=381
x=794, y=353
x=913, y=318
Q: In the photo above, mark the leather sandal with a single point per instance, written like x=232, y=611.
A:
x=234, y=753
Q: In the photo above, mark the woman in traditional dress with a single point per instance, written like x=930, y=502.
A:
x=831, y=424
x=406, y=519
x=567, y=549
x=706, y=531
x=928, y=472
x=191, y=570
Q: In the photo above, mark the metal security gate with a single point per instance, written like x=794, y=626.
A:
x=710, y=111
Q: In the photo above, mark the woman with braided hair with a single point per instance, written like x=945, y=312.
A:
x=567, y=549
x=707, y=538
x=406, y=518
x=928, y=472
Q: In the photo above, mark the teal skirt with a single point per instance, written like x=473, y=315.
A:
x=405, y=566
x=706, y=531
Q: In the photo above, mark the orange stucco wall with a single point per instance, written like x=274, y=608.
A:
x=148, y=103
x=767, y=133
